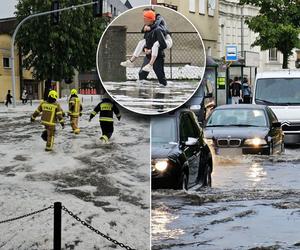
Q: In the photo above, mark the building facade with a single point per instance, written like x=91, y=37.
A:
x=233, y=30
x=24, y=79
x=204, y=15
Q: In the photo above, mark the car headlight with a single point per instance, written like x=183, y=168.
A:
x=161, y=165
x=255, y=142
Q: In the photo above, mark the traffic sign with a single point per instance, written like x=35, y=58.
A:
x=231, y=53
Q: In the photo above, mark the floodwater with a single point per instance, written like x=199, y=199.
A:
x=150, y=97
x=254, y=204
x=106, y=185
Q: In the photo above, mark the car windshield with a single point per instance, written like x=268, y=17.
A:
x=163, y=130
x=278, y=91
x=237, y=117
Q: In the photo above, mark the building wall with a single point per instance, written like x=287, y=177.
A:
x=230, y=23
x=205, y=22
x=5, y=73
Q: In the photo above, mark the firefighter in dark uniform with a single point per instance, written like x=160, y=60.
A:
x=75, y=109
x=51, y=113
x=106, y=108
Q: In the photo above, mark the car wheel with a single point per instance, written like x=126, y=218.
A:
x=207, y=177
x=183, y=181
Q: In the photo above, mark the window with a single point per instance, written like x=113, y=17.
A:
x=186, y=128
x=192, y=6
x=6, y=62
x=202, y=7
x=273, y=54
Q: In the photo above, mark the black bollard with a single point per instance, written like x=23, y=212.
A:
x=57, y=226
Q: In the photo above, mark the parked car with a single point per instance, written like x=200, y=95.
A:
x=180, y=157
x=244, y=129
x=280, y=90
x=202, y=102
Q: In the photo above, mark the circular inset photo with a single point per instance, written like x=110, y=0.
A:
x=151, y=59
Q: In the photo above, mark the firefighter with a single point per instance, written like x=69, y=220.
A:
x=51, y=113
x=75, y=109
x=106, y=108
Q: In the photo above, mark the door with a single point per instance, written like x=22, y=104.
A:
x=188, y=130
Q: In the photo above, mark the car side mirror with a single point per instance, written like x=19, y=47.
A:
x=191, y=141
x=276, y=124
x=209, y=95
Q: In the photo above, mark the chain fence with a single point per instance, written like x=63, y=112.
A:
x=122, y=245
x=184, y=60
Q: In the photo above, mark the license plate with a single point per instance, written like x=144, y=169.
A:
x=229, y=151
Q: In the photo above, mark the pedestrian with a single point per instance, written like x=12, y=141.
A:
x=246, y=91
x=75, y=110
x=236, y=91
x=24, y=96
x=106, y=108
x=159, y=22
x=51, y=113
x=8, y=98
x=152, y=36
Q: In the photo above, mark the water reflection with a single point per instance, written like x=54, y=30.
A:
x=150, y=97
x=161, y=225
x=256, y=173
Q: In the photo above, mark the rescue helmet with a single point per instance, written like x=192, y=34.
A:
x=73, y=92
x=53, y=94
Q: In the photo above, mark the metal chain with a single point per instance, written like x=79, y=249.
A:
x=96, y=230
x=26, y=215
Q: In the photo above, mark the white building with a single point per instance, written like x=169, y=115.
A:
x=233, y=30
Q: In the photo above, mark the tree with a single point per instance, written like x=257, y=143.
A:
x=278, y=25
x=54, y=52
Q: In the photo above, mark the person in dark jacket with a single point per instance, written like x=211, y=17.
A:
x=8, y=98
x=151, y=37
x=159, y=22
x=107, y=108
x=246, y=91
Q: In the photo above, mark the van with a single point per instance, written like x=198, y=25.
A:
x=280, y=90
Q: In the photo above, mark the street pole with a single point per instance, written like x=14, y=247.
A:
x=12, y=51
x=242, y=31
x=57, y=226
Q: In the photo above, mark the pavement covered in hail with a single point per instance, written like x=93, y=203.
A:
x=150, y=97
x=254, y=204
x=107, y=185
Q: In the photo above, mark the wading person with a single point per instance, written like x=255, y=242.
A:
x=107, y=108
x=158, y=22
x=155, y=35
x=75, y=109
x=24, y=97
x=51, y=113
x=8, y=98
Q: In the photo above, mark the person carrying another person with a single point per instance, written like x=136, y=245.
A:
x=160, y=22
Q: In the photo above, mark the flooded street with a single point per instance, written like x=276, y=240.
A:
x=150, y=97
x=106, y=185
x=254, y=204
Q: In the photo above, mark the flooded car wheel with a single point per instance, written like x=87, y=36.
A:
x=183, y=181
x=207, y=178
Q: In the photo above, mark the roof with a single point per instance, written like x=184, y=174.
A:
x=7, y=25
x=241, y=106
x=284, y=73
x=128, y=4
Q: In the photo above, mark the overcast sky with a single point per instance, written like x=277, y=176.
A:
x=7, y=7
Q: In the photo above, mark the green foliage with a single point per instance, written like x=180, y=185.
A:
x=278, y=25
x=55, y=51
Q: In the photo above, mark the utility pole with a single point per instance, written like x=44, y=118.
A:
x=15, y=34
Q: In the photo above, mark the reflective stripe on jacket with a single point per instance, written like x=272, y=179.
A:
x=75, y=106
x=51, y=112
x=106, y=108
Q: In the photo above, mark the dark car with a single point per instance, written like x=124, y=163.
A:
x=245, y=129
x=180, y=157
x=202, y=102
